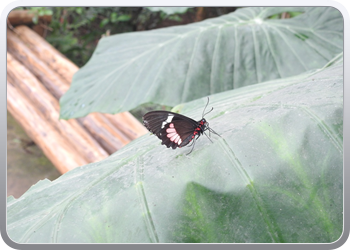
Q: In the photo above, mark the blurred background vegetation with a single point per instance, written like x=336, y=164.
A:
x=75, y=31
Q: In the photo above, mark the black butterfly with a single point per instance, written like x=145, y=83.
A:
x=176, y=130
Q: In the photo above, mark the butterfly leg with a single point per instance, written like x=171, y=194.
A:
x=211, y=130
x=208, y=136
x=191, y=143
x=192, y=147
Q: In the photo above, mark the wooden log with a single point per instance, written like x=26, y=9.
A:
x=112, y=138
x=108, y=132
x=54, y=146
x=48, y=107
x=109, y=137
x=125, y=122
x=47, y=53
x=200, y=14
x=17, y=17
x=128, y=124
x=53, y=82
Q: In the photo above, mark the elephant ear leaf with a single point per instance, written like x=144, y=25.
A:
x=182, y=63
x=274, y=175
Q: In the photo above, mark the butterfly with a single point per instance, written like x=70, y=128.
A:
x=176, y=130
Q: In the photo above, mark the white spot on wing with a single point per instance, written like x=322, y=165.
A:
x=169, y=119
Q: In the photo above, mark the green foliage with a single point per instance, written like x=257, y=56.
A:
x=185, y=62
x=38, y=11
x=274, y=176
x=171, y=13
x=76, y=30
x=291, y=14
x=114, y=18
x=169, y=10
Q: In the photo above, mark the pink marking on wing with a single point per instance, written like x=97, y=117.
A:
x=171, y=130
x=174, y=137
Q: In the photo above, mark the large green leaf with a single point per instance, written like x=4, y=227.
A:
x=274, y=175
x=182, y=63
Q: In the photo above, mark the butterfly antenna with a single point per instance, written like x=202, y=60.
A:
x=205, y=108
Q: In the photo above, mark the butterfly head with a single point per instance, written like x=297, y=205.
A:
x=203, y=124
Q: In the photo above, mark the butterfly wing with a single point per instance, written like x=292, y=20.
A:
x=173, y=129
